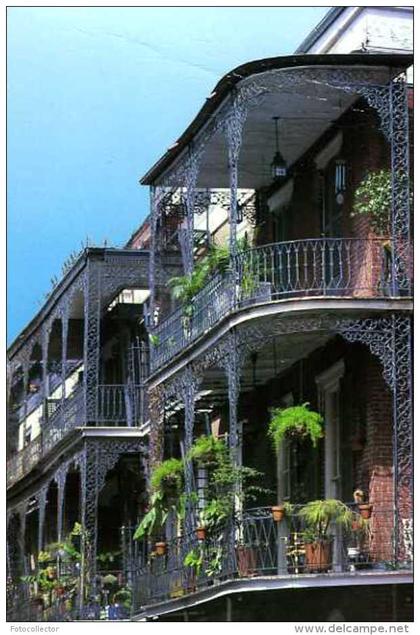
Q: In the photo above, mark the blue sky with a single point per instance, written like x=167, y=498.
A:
x=95, y=96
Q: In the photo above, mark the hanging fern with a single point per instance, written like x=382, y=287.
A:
x=207, y=449
x=168, y=476
x=167, y=480
x=295, y=421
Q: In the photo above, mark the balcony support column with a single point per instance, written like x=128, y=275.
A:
x=232, y=365
x=156, y=416
x=154, y=218
x=42, y=503
x=25, y=388
x=22, y=534
x=64, y=337
x=187, y=239
x=233, y=128
x=400, y=212
x=60, y=478
x=44, y=347
x=96, y=459
x=92, y=318
x=189, y=385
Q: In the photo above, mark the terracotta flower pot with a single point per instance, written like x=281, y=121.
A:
x=278, y=513
x=365, y=510
x=247, y=561
x=200, y=532
x=318, y=556
x=160, y=548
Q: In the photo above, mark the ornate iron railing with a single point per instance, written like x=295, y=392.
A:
x=120, y=404
x=183, y=327
x=257, y=545
x=63, y=605
x=337, y=267
x=117, y=405
x=35, y=400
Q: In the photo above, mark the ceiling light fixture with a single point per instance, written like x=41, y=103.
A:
x=278, y=164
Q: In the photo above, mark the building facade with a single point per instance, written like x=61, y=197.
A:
x=76, y=448
x=273, y=275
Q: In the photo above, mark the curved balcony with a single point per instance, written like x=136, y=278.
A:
x=256, y=546
x=330, y=267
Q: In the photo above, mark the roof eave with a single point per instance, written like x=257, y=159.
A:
x=232, y=78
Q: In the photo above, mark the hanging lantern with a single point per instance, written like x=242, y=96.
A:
x=278, y=164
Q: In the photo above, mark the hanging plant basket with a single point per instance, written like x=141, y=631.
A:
x=365, y=510
x=278, y=513
x=295, y=422
x=206, y=450
x=160, y=548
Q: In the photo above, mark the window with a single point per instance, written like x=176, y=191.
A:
x=329, y=399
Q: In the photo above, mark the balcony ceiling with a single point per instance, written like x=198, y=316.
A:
x=307, y=111
x=275, y=358
x=304, y=117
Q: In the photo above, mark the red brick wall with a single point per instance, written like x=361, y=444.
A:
x=376, y=467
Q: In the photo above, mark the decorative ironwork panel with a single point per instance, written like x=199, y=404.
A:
x=156, y=416
x=42, y=503
x=233, y=129
x=390, y=340
x=402, y=256
x=232, y=363
x=60, y=477
x=119, y=271
x=92, y=294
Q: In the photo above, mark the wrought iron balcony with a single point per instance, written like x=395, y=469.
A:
x=330, y=267
x=257, y=546
x=117, y=406
x=62, y=604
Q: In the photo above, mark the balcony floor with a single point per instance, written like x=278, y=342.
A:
x=277, y=582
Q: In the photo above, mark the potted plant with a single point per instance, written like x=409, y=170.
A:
x=206, y=450
x=319, y=516
x=246, y=560
x=167, y=484
x=160, y=548
x=185, y=288
x=200, y=532
x=278, y=513
x=168, y=478
x=373, y=198
x=365, y=508
x=194, y=561
x=295, y=422
x=357, y=550
x=358, y=496
x=201, y=529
